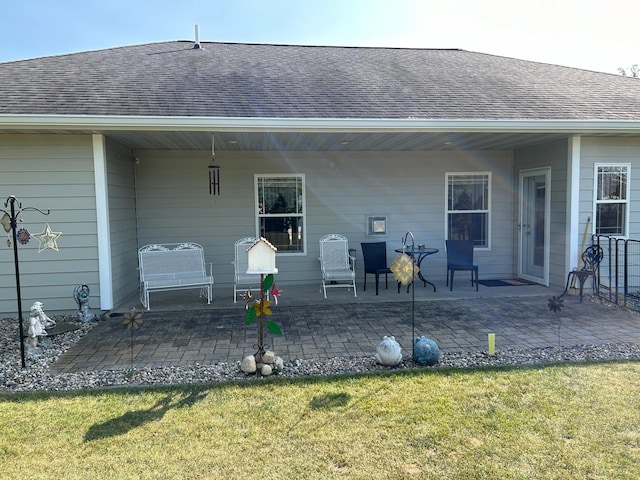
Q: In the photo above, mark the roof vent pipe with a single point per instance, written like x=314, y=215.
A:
x=196, y=45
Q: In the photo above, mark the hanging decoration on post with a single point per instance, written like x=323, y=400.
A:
x=22, y=234
x=6, y=225
x=404, y=270
x=214, y=171
x=6, y=222
x=47, y=239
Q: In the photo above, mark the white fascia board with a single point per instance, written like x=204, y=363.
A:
x=229, y=124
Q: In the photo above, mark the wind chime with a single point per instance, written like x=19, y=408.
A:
x=15, y=235
x=214, y=171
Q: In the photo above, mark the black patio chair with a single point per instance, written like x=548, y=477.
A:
x=591, y=259
x=374, y=256
x=460, y=257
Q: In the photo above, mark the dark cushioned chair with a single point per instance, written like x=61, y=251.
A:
x=375, y=262
x=460, y=257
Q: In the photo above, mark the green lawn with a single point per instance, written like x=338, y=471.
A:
x=557, y=422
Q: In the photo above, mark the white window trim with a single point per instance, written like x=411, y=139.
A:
x=304, y=208
x=627, y=201
x=489, y=203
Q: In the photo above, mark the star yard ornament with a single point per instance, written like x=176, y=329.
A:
x=404, y=270
x=47, y=239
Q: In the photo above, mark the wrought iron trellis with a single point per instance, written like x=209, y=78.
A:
x=619, y=272
x=13, y=218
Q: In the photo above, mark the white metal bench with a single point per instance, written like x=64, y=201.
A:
x=172, y=266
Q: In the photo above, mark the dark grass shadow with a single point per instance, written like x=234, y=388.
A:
x=131, y=420
x=329, y=401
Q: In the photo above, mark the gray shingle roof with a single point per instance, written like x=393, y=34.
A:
x=279, y=81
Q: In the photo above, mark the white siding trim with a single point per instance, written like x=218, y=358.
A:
x=258, y=124
x=573, y=203
x=102, y=221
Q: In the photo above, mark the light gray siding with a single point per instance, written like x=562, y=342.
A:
x=174, y=204
x=165, y=198
x=122, y=221
x=50, y=172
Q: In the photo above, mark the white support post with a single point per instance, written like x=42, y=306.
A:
x=573, y=204
x=102, y=221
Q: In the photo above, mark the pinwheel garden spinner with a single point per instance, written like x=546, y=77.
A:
x=133, y=320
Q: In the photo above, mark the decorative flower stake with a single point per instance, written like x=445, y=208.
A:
x=133, y=321
x=404, y=269
x=257, y=309
x=555, y=305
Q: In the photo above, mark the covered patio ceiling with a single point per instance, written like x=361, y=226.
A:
x=329, y=141
x=175, y=136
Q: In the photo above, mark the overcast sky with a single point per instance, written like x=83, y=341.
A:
x=596, y=35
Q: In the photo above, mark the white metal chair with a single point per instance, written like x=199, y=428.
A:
x=336, y=263
x=243, y=281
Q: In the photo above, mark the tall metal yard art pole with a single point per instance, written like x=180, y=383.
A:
x=413, y=291
x=13, y=221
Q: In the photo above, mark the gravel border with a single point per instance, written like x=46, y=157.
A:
x=39, y=377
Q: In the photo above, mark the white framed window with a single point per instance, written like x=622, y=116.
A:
x=611, y=199
x=467, y=208
x=280, y=211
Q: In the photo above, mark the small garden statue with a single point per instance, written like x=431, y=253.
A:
x=425, y=351
x=34, y=333
x=388, y=352
x=37, y=329
x=81, y=296
x=37, y=312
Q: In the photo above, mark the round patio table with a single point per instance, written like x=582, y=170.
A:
x=418, y=254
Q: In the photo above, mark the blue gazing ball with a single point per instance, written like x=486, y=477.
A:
x=425, y=351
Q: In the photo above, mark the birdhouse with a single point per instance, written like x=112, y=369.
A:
x=262, y=257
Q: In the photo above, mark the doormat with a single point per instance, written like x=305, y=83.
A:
x=509, y=282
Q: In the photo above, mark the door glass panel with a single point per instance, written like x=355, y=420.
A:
x=533, y=232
